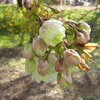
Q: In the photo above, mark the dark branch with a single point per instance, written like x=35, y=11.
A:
x=31, y=38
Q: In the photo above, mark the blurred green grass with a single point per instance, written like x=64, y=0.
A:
x=12, y=40
x=13, y=27
x=14, y=30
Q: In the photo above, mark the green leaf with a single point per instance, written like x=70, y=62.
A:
x=70, y=34
x=34, y=10
x=54, y=10
x=40, y=4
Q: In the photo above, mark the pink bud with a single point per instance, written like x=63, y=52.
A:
x=58, y=68
x=39, y=46
x=64, y=79
x=72, y=57
x=80, y=38
x=57, y=11
x=84, y=26
x=52, y=59
x=28, y=52
x=87, y=35
x=43, y=67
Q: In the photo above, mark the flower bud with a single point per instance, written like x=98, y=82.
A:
x=72, y=57
x=39, y=46
x=80, y=38
x=84, y=26
x=58, y=1
x=87, y=35
x=58, y=66
x=52, y=32
x=52, y=59
x=43, y=67
x=28, y=52
x=64, y=79
x=57, y=11
x=30, y=66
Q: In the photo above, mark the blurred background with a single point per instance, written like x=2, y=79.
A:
x=15, y=84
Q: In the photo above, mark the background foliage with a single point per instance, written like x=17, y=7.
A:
x=14, y=24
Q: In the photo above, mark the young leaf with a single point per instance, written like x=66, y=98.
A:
x=54, y=10
x=89, y=47
x=47, y=16
x=83, y=67
x=85, y=56
x=70, y=34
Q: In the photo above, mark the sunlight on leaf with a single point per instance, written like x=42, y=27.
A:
x=84, y=67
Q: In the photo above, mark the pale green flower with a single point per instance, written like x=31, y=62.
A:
x=52, y=32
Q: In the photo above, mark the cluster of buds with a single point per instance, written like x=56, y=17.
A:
x=68, y=44
x=71, y=57
x=50, y=34
x=83, y=34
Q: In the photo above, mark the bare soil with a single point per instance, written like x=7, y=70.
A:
x=22, y=87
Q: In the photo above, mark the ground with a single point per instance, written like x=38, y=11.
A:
x=15, y=84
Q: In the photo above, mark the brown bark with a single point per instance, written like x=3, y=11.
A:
x=19, y=2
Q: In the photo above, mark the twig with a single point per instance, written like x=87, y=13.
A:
x=40, y=21
x=48, y=52
x=63, y=44
x=31, y=38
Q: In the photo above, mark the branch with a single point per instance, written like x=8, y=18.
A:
x=48, y=52
x=31, y=38
x=40, y=21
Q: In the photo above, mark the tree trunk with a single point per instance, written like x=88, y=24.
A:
x=64, y=2
x=19, y=2
x=6, y=2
